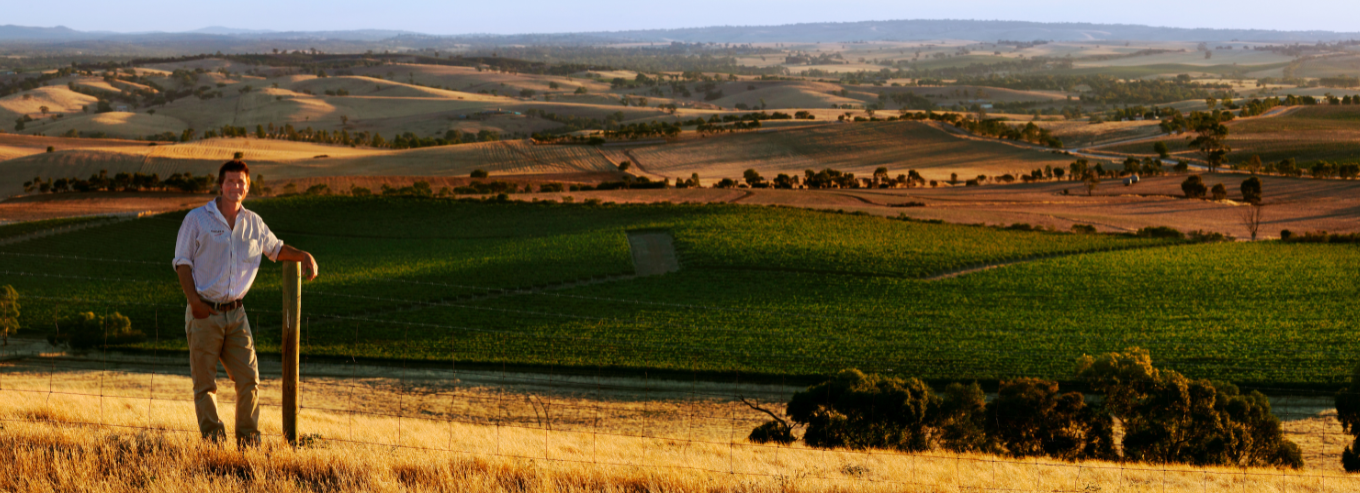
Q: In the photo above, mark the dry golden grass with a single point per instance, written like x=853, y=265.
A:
x=118, y=124
x=56, y=99
x=475, y=436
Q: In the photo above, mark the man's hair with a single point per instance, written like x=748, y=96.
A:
x=233, y=165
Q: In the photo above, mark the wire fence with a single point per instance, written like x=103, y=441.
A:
x=690, y=419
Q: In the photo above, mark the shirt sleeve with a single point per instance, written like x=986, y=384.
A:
x=269, y=243
x=186, y=244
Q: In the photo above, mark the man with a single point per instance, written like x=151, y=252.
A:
x=217, y=255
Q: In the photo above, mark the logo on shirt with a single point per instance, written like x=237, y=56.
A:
x=218, y=232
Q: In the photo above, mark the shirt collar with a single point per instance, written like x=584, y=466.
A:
x=212, y=207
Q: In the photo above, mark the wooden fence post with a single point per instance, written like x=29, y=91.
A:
x=292, y=319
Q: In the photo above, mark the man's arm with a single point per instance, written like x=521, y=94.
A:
x=290, y=254
x=186, y=283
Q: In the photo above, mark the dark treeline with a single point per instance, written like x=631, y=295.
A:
x=613, y=130
x=22, y=84
x=122, y=182
x=1143, y=414
x=1105, y=89
x=668, y=57
x=405, y=140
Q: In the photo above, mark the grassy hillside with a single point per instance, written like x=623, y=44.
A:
x=764, y=290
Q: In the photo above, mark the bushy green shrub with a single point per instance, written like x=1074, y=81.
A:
x=1170, y=418
x=86, y=330
x=1159, y=232
x=1031, y=418
x=1166, y=417
x=1194, y=187
x=1251, y=190
x=773, y=431
x=855, y=410
x=1348, y=413
x=960, y=418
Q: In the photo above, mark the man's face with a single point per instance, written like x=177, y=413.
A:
x=235, y=184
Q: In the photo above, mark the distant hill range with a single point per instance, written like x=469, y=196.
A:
x=925, y=29
x=226, y=39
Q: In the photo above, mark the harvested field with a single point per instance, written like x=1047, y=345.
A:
x=858, y=148
x=1077, y=134
x=282, y=159
x=51, y=206
x=1307, y=134
x=1291, y=203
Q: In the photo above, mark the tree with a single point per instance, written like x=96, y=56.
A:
x=624, y=165
x=1254, y=164
x=752, y=178
x=1132, y=165
x=1251, y=218
x=1211, y=136
x=9, y=312
x=1194, y=187
x=1251, y=190
x=1219, y=191
x=881, y=175
x=478, y=173
x=1092, y=181
x=44, y=109
x=1162, y=151
x=344, y=120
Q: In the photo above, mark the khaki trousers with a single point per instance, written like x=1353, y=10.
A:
x=224, y=337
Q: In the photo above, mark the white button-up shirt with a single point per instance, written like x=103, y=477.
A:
x=224, y=260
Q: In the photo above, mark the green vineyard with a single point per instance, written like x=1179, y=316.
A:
x=768, y=291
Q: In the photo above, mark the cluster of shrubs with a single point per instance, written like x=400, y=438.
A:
x=1144, y=414
x=1319, y=237
x=86, y=331
x=1348, y=413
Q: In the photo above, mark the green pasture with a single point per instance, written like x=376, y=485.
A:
x=770, y=291
x=22, y=228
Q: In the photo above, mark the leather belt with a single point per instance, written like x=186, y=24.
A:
x=224, y=307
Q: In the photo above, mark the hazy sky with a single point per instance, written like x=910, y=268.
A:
x=529, y=16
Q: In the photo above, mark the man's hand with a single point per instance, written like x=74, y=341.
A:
x=309, y=266
x=201, y=310
x=290, y=254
